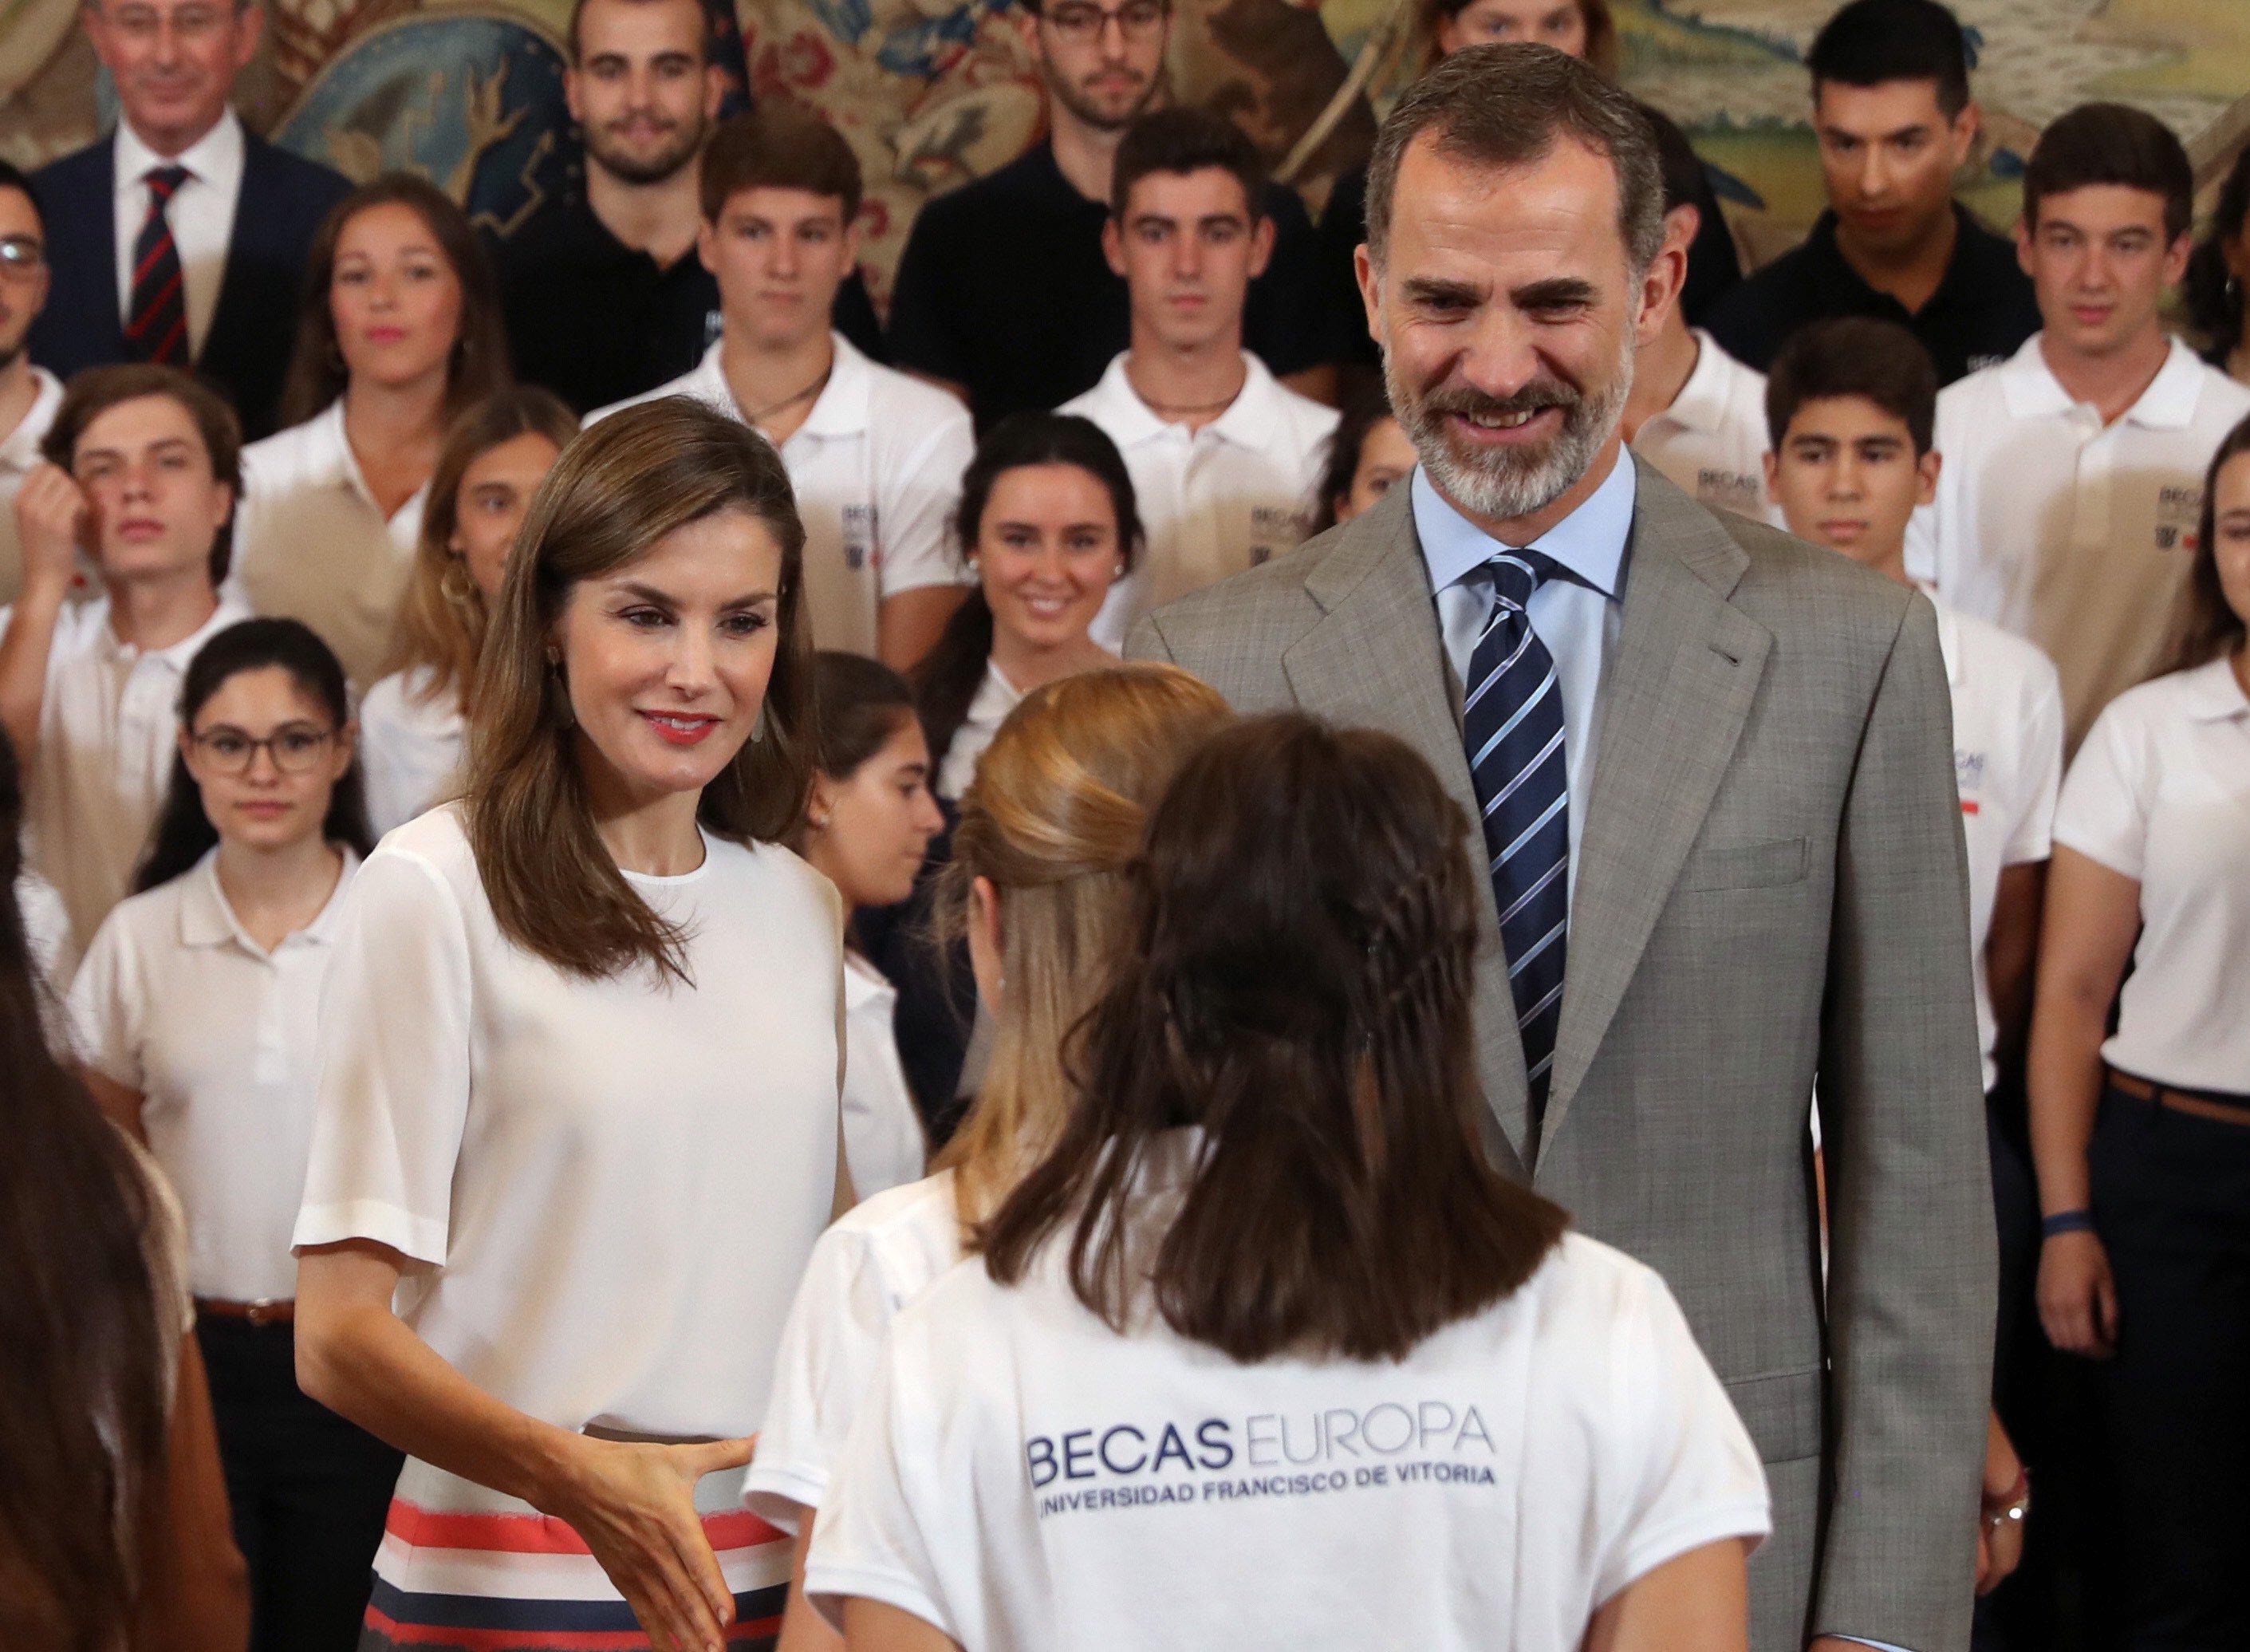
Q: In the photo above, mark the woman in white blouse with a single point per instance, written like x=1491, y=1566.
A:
x=1045, y=835
x=398, y=331
x=1047, y=523
x=413, y=721
x=577, y=1123
x=196, y=1009
x=2142, y=1137
x=867, y=829
x=1262, y=1352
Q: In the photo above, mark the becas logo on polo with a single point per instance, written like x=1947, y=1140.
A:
x=2179, y=512
x=859, y=547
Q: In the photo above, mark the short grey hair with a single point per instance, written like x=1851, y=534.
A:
x=1506, y=105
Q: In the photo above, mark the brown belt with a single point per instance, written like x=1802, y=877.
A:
x=266, y=1311
x=2202, y=1104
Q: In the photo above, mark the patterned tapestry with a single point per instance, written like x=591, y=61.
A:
x=934, y=92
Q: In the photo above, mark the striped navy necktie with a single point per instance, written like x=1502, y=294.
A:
x=1512, y=724
x=156, y=319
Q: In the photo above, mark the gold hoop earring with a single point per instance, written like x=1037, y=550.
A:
x=454, y=584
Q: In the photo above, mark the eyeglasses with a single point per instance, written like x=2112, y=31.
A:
x=1082, y=24
x=21, y=257
x=229, y=751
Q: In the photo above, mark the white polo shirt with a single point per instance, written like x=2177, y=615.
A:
x=176, y=1001
x=2160, y=793
x=2008, y=760
x=409, y=747
x=1215, y=500
x=876, y=468
x=996, y=697
x=884, y=1145
x=1712, y=442
x=19, y=452
x=108, y=730
x=874, y=1260
x=2073, y=534
x=1021, y=1477
x=310, y=543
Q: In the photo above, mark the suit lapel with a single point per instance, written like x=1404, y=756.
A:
x=1680, y=683
x=103, y=227
x=1374, y=660
x=246, y=250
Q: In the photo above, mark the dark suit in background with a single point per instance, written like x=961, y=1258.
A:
x=254, y=323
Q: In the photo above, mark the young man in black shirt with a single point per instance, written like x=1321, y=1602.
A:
x=1891, y=108
x=1004, y=296
x=604, y=293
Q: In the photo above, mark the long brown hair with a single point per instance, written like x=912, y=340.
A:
x=442, y=618
x=1053, y=819
x=1602, y=47
x=617, y=491
x=479, y=365
x=85, y=1381
x=2208, y=625
x=1296, y=980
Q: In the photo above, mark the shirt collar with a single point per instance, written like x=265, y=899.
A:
x=1250, y=420
x=1701, y=403
x=230, y=611
x=332, y=453
x=842, y=408
x=214, y=158
x=1590, y=542
x=206, y=919
x=2214, y=693
x=2031, y=390
x=1949, y=639
x=20, y=451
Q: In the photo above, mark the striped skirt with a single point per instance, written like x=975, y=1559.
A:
x=456, y=1580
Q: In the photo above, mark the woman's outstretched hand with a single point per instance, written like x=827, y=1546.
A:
x=635, y=1506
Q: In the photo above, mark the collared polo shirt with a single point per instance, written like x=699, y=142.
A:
x=2075, y=535
x=176, y=1002
x=310, y=543
x=1981, y=313
x=200, y=215
x=1215, y=502
x=877, y=469
x=19, y=453
x=108, y=728
x=1711, y=442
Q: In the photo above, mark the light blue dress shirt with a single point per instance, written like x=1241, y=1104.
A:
x=1579, y=622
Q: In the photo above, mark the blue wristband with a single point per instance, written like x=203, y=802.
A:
x=2068, y=1221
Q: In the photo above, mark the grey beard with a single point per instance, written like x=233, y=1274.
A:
x=1502, y=486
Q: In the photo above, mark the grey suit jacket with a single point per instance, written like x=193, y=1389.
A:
x=1770, y=888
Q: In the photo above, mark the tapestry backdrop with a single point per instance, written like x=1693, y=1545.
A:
x=933, y=92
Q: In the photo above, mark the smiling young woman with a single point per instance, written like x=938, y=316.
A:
x=579, y=1079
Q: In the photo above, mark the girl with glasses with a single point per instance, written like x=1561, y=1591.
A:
x=196, y=1011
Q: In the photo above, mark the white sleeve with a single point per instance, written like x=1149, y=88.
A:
x=101, y=1008
x=2030, y=817
x=916, y=499
x=871, y=1539
x=393, y=1092
x=1693, y=1475
x=831, y=1353
x=2102, y=813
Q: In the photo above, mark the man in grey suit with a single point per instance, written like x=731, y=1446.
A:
x=1714, y=768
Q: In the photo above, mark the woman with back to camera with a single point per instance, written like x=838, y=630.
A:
x=1039, y=873
x=1263, y=1352
x=1047, y=523
x=399, y=329
x=114, y=1532
x=867, y=829
x=577, y=1104
x=413, y=723
x=2141, y=1135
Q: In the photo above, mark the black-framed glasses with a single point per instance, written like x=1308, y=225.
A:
x=294, y=750
x=22, y=256
x=1136, y=20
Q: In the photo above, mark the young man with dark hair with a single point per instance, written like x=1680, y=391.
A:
x=604, y=294
x=875, y=456
x=181, y=236
x=142, y=468
x=2074, y=474
x=28, y=394
x=1892, y=111
x=1004, y=294
x=1224, y=456
x=1696, y=413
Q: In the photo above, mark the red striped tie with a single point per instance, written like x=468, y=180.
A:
x=158, y=328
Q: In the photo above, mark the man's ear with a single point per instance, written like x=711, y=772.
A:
x=1926, y=471
x=715, y=91
x=1261, y=246
x=706, y=245
x=1113, y=244
x=250, y=30
x=1370, y=289
x=1963, y=133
